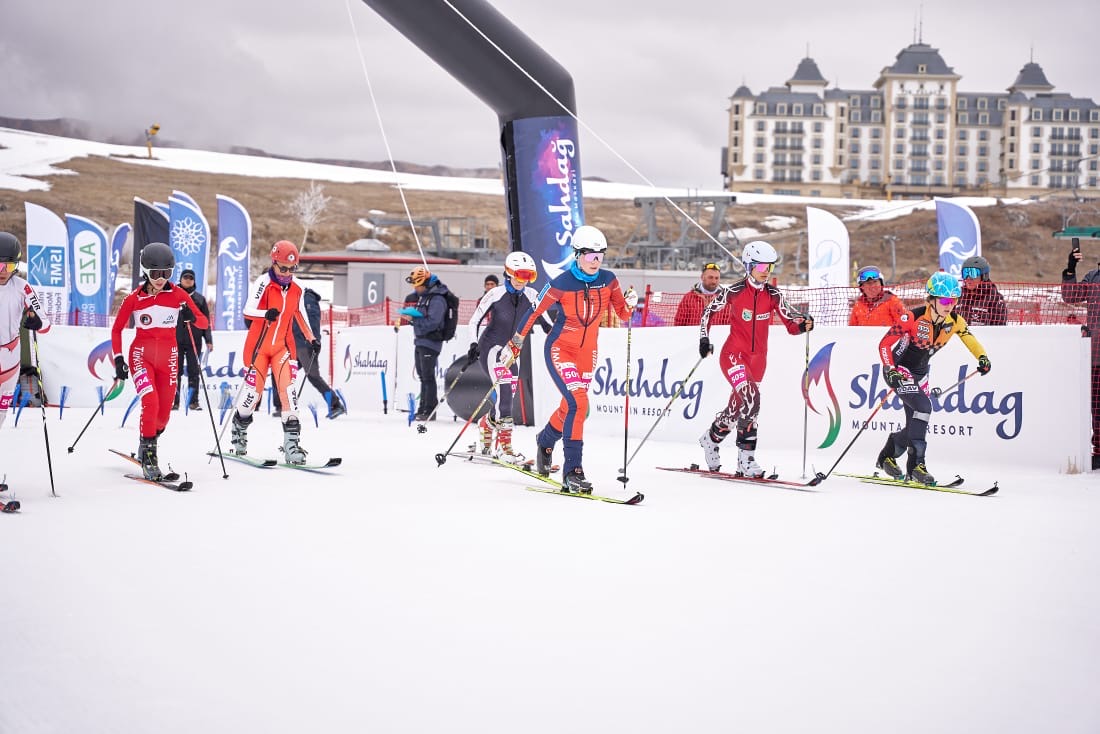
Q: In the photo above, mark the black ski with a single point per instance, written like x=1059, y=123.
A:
x=174, y=486
x=169, y=476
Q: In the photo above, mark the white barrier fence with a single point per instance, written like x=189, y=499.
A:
x=1032, y=410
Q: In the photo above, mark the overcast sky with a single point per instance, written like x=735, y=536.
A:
x=652, y=78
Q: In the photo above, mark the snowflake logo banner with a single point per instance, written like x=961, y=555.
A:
x=189, y=238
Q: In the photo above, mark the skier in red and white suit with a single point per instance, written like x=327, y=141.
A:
x=274, y=303
x=156, y=306
x=19, y=305
x=749, y=306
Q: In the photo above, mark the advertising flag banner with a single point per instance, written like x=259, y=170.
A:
x=150, y=225
x=828, y=249
x=234, y=251
x=47, y=260
x=118, y=243
x=189, y=238
x=89, y=265
x=548, y=191
x=960, y=235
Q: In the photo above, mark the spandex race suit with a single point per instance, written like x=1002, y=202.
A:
x=16, y=296
x=154, y=356
x=270, y=344
x=571, y=349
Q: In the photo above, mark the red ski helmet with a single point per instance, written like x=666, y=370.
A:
x=284, y=252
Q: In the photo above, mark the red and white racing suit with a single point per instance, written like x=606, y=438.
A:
x=16, y=296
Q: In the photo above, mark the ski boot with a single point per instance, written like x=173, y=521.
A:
x=916, y=471
x=238, y=435
x=337, y=408
x=504, y=449
x=709, y=442
x=294, y=453
x=747, y=466
x=575, y=482
x=194, y=402
x=889, y=465
x=485, y=442
x=544, y=459
x=147, y=455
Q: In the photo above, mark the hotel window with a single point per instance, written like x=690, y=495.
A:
x=1094, y=132
x=983, y=135
x=1035, y=164
x=1074, y=115
x=899, y=117
x=876, y=116
x=876, y=133
x=761, y=126
x=758, y=157
x=1036, y=148
x=961, y=135
x=899, y=149
x=758, y=173
x=781, y=109
x=876, y=148
x=816, y=159
x=899, y=132
x=939, y=148
x=1056, y=115
x=819, y=110
x=854, y=101
x=960, y=166
x=922, y=69
x=983, y=118
x=819, y=127
x=982, y=166
x=855, y=132
x=960, y=150
x=876, y=102
x=1036, y=114
x=761, y=142
x=761, y=108
x=961, y=103
x=796, y=110
x=1035, y=181
x=1036, y=132
x=855, y=116
x=983, y=103
x=1094, y=115
x=737, y=109
x=899, y=165
x=964, y=118
x=1002, y=104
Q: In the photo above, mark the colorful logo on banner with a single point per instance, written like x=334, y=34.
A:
x=189, y=238
x=89, y=297
x=102, y=362
x=548, y=190
x=46, y=266
x=645, y=386
x=234, y=246
x=358, y=364
x=817, y=373
x=960, y=235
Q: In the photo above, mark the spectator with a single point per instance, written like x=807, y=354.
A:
x=1087, y=291
x=875, y=306
x=491, y=282
x=981, y=302
x=189, y=358
x=690, y=310
x=428, y=317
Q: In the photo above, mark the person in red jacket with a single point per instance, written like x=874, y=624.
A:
x=274, y=303
x=156, y=306
x=749, y=305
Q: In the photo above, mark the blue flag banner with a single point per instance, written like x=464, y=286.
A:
x=960, y=235
x=234, y=251
x=89, y=264
x=186, y=197
x=118, y=243
x=189, y=238
x=548, y=190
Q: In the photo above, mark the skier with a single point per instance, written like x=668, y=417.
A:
x=748, y=306
x=981, y=302
x=584, y=294
x=875, y=306
x=274, y=303
x=19, y=305
x=156, y=307
x=498, y=315
x=905, y=351
x=311, y=301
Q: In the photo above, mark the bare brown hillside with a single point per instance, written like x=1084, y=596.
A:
x=1017, y=239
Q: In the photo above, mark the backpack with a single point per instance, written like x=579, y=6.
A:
x=450, y=319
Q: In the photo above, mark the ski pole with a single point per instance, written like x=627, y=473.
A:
x=819, y=477
x=626, y=408
x=805, y=404
x=42, y=402
x=244, y=381
x=305, y=373
x=668, y=405
x=94, y=414
x=202, y=383
x=422, y=428
x=441, y=458
x=937, y=391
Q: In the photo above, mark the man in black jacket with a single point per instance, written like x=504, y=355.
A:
x=189, y=356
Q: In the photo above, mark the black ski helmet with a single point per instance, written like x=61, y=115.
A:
x=156, y=256
x=979, y=262
x=10, y=251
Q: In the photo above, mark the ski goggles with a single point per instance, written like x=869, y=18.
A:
x=523, y=274
x=590, y=256
x=867, y=274
x=159, y=273
x=947, y=301
x=971, y=273
x=9, y=267
x=285, y=268
x=762, y=267
x=712, y=266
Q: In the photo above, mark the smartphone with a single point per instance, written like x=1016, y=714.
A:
x=1076, y=244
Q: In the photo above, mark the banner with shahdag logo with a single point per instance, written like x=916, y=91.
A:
x=828, y=259
x=89, y=296
x=960, y=235
x=150, y=225
x=189, y=238
x=547, y=200
x=234, y=257
x=47, y=260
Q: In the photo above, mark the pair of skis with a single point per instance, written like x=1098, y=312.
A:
x=170, y=480
x=269, y=463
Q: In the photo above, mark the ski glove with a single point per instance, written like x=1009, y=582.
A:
x=631, y=298
x=983, y=365
x=272, y=315
x=705, y=347
x=806, y=325
x=186, y=314
x=411, y=313
x=32, y=322
x=315, y=345
x=511, y=350
x=894, y=378
x=472, y=354
x=121, y=373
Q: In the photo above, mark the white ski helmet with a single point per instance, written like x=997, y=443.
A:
x=589, y=239
x=758, y=252
x=521, y=266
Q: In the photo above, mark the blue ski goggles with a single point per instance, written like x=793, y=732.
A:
x=867, y=274
x=971, y=273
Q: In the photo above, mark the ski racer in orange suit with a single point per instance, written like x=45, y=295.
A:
x=749, y=305
x=583, y=293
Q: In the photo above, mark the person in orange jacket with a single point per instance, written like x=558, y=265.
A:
x=875, y=306
x=274, y=304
